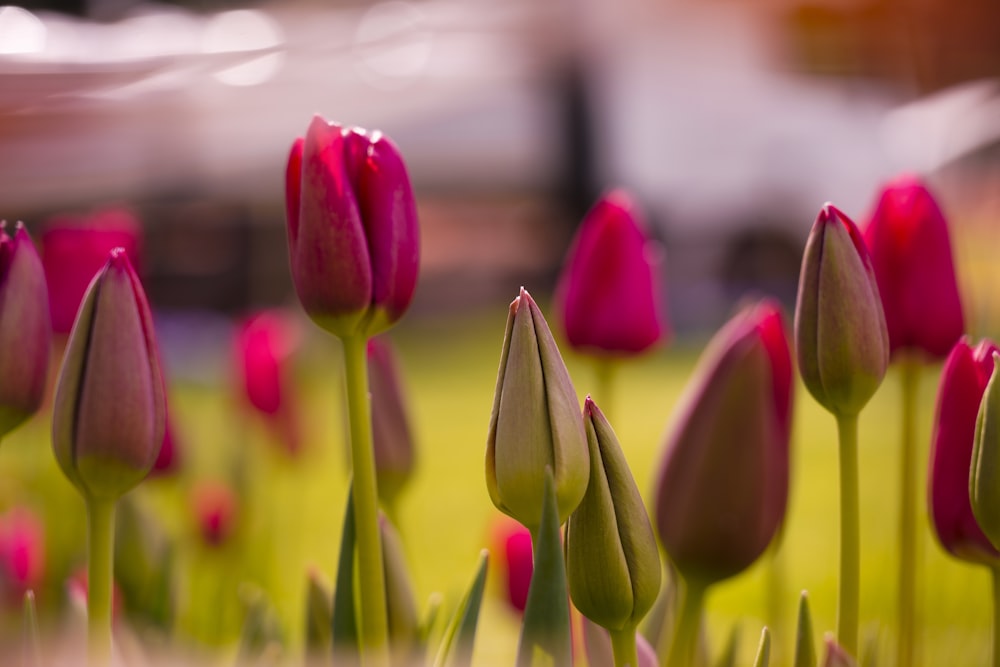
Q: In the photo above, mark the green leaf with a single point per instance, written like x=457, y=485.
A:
x=32, y=648
x=545, y=631
x=456, y=645
x=319, y=613
x=345, y=625
x=805, y=647
x=728, y=656
x=763, y=649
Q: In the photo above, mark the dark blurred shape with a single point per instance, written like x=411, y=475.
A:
x=762, y=259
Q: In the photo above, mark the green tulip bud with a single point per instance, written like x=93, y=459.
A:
x=612, y=562
x=109, y=411
x=840, y=330
x=535, y=422
x=984, y=475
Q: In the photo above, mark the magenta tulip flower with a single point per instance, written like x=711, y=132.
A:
x=25, y=329
x=75, y=248
x=22, y=553
x=352, y=229
x=215, y=511
x=966, y=372
x=511, y=546
x=910, y=248
x=109, y=411
x=723, y=485
x=608, y=294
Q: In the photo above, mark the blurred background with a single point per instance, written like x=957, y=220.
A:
x=732, y=123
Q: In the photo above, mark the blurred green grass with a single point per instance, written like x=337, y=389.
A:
x=293, y=506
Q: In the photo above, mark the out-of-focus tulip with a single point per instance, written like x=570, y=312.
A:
x=352, y=229
x=74, y=249
x=78, y=587
x=836, y=656
x=168, y=460
x=25, y=331
x=263, y=348
x=963, y=381
x=22, y=553
x=612, y=562
x=840, y=332
x=910, y=248
x=215, y=508
x=597, y=645
x=984, y=473
x=109, y=411
x=723, y=485
x=535, y=423
x=395, y=452
x=511, y=544
x=609, y=290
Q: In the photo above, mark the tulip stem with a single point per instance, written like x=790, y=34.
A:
x=373, y=632
x=100, y=546
x=908, y=636
x=682, y=644
x=850, y=549
x=995, y=576
x=623, y=646
x=605, y=368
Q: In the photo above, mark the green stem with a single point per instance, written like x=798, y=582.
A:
x=908, y=636
x=995, y=577
x=850, y=549
x=623, y=646
x=685, y=639
x=100, y=545
x=605, y=368
x=374, y=633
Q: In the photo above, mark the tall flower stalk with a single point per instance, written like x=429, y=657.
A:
x=353, y=249
x=842, y=347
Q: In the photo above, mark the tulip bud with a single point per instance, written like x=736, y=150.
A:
x=535, y=422
x=966, y=372
x=723, y=485
x=911, y=254
x=215, y=508
x=608, y=291
x=840, y=331
x=612, y=562
x=984, y=484
x=836, y=656
x=352, y=229
x=392, y=438
x=25, y=331
x=404, y=624
x=108, y=416
x=22, y=553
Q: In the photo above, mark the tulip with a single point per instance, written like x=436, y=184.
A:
x=352, y=229
x=108, y=419
x=168, y=460
x=966, y=372
x=910, y=248
x=535, y=423
x=75, y=248
x=612, y=564
x=608, y=293
x=215, y=511
x=836, y=656
x=723, y=484
x=840, y=330
x=395, y=453
x=512, y=543
x=22, y=553
x=109, y=411
x=25, y=331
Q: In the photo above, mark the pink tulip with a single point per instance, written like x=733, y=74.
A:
x=723, y=485
x=352, y=229
x=75, y=248
x=910, y=248
x=963, y=381
x=22, y=553
x=215, y=510
x=25, y=329
x=511, y=546
x=608, y=294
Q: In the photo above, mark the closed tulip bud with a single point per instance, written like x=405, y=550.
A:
x=966, y=372
x=723, y=485
x=25, y=330
x=612, y=562
x=911, y=253
x=535, y=422
x=840, y=331
x=352, y=229
x=108, y=416
x=984, y=483
x=609, y=289
x=395, y=453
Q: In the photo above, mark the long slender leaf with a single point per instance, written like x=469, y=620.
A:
x=459, y=638
x=763, y=658
x=32, y=648
x=345, y=625
x=728, y=656
x=805, y=647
